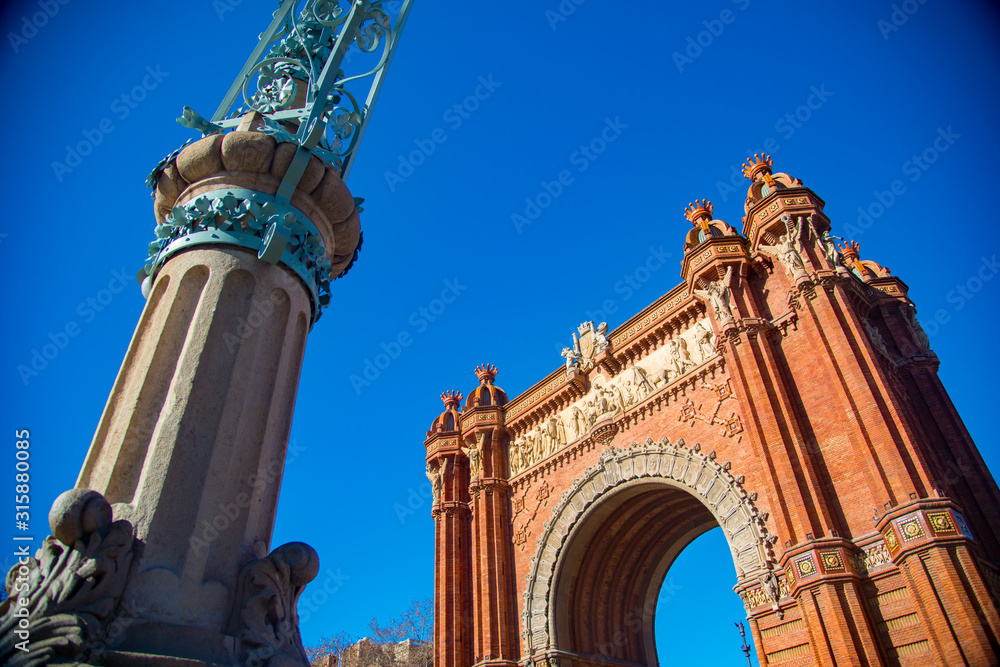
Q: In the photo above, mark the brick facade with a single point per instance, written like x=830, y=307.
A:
x=784, y=391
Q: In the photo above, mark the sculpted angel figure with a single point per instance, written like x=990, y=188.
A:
x=436, y=477
x=475, y=454
x=789, y=249
x=717, y=295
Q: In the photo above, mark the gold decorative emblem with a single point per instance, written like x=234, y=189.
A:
x=832, y=561
x=806, y=567
x=910, y=527
x=941, y=522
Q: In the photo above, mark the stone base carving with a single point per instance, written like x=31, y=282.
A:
x=63, y=599
x=266, y=621
x=66, y=602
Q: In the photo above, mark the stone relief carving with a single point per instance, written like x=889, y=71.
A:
x=266, y=622
x=608, y=399
x=789, y=248
x=679, y=361
x=690, y=412
x=676, y=465
x=705, y=340
x=717, y=295
x=63, y=598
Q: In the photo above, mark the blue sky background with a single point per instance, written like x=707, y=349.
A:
x=684, y=127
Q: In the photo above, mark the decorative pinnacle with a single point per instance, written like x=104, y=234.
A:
x=851, y=251
x=451, y=399
x=760, y=162
x=486, y=373
x=699, y=212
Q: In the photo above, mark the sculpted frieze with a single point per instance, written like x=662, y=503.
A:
x=609, y=398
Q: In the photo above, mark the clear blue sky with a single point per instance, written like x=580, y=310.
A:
x=885, y=95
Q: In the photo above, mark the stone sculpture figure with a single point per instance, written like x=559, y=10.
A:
x=619, y=398
x=475, y=454
x=629, y=393
x=556, y=432
x=572, y=359
x=600, y=337
x=875, y=335
x=642, y=384
x=678, y=360
x=919, y=335
x=717, y=295
x=436, y=477
x=789, y=249
x=705, y=340
x=579, y=422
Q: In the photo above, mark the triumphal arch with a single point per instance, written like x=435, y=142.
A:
x=784, y=391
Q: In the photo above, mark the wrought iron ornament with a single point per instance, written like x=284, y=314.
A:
x=295, y=78
x=293, y=87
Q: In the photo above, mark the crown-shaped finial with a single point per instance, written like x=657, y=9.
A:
x=759, y=163
x=486, y=373
x=851, y=251
x=699, y=210
x=452, y=399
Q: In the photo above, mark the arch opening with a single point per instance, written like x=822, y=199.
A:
x=615, y=565
x=602, y=558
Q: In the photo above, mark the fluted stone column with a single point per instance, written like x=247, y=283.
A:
x=161, y=555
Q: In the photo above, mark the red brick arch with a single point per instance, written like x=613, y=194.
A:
x=612, y=539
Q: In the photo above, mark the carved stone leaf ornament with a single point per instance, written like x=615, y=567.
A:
x=63, y=598
x=266, y=620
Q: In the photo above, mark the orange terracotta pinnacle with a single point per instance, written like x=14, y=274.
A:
x=451, y=399
x=486, y=373
x=699, y=212
x=760, y=163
